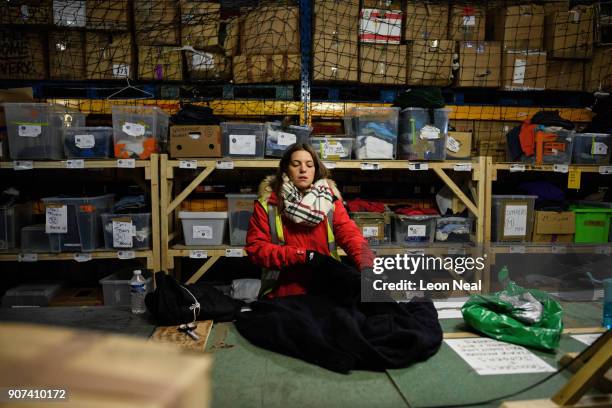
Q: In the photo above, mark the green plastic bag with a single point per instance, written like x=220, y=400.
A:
x=497, y=316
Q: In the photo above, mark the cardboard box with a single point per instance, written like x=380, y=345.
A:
x=551, y=226
x=156, y=22
x=518, y=27
x=107, y=15
x=565, y=75
x=22, y=55
x=430, y=62
x=459, y=145
x=467, y=22
x=334, y=17
x=160, y=63
x=67, y=55
x=208, y=66
x=108, y=57
x=523, y=71
x=380, y=26
x=383, y=64
x=195, y=141
x=103, y=370
x=479, y=64
x=555, y=6
x=570, y=34
x=426, y=21
x=266, y=68
x=598, y=71
x=334, y=58
x=200, y=24
x=69, y=13
x=26, y=12
x=271, y=31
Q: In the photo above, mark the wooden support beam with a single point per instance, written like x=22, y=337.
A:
x=189, y=189
x=153, y=171
x=451, y=184
x=203, y=269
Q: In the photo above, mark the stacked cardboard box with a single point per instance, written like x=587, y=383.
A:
x=156, y=22
x=26, y=12
x=518, y=27
x=425, y=21
x=159, y=63
x=107, y=15
x=598, y=71
x=524, y=70
x=380, y=22
x=569, y=34
x=269, y=46
x=200, y=24
x=383, y=64
x=208, y=65
x=108, y=56
x=479, y=64
x=430, y=62
x=335, y=50
x=565, y=75
x=69, y=13
x=551, y=226
x=66, y=55
x=467, y=22
x=490, y=138
x=22, y=55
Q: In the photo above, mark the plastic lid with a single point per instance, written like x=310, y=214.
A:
x=202, y=215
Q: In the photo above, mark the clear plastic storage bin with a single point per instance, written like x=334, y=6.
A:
x=240, y=208
x=32, y=132
x=116, y=287
x=374, y=226
x=422, y=137
x=88, y=142
x=243, y=139
x=12, y=217
x=127, y=231
x=30, y=295
x=333, y=148
x=35, y=239
x=513, y=217
x=453, y=229
x=82, y=221
x=552, y=148
x=279, y=139
x=592, y=148
x=203, y=228
x=375, y=131
x=408, y=229
x=138, y=131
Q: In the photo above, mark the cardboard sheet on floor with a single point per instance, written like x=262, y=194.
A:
x=455, y=382
x=245, y=375
x=170, y=334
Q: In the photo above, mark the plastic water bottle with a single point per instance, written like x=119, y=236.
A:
x=138, y=290
x=607, y=309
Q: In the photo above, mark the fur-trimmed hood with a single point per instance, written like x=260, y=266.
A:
x=265, y=188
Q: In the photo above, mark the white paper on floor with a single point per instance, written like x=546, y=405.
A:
x=492, y=357
x=587, y=339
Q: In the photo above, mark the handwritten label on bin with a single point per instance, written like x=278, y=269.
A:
x=517, y=249
x=56, y=219
x=517, y=168
x=126, y=163
x=75, y=164
x=82, y=257
x=418, y=166
x=233, y=252
x=462, y=167
x=188, y=164
x=225, y=165
x=123, y=233
x=27, y=257
x=23, y=165
x=560, y=168
x=126, y=254
x=605, y=169
x=370, y=166
x=198, y=254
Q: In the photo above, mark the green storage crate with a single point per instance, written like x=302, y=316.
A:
x=592, y=224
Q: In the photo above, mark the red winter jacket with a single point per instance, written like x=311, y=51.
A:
x=289, y=258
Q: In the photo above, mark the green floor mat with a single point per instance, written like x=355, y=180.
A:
x=447, y=379
x=247, y=376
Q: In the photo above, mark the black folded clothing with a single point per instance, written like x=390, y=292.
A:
x=195, y=115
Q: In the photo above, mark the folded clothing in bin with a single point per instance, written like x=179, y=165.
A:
x=279, y=138
x=88, y=142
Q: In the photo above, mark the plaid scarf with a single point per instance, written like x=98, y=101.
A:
x=308, y=208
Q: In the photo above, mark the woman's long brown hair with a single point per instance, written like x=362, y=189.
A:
x=320, y=169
